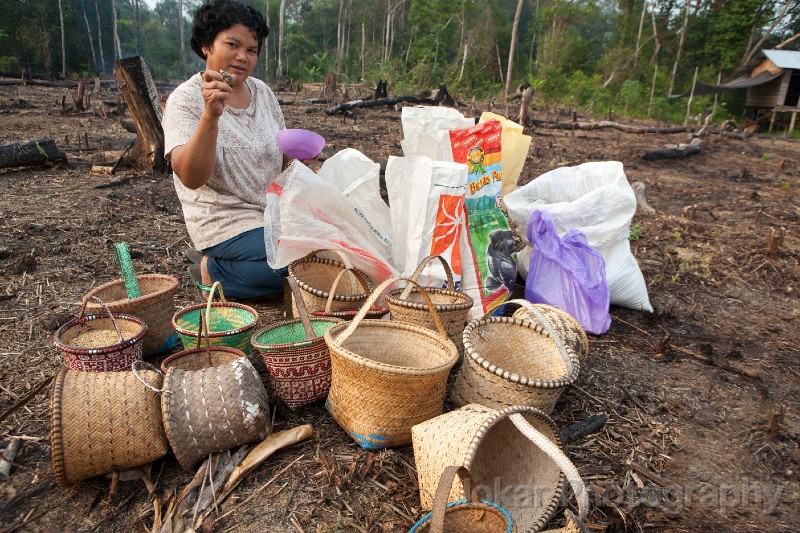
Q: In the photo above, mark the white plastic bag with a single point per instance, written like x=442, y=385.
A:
x=596, y=199
x=307, y=212
x=422, y=127
x=427, y=214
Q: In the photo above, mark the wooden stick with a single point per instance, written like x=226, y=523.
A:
x=658, y=480
x=42, y=384
x=8, y=457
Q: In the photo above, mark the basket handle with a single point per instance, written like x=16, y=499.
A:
x=443, y=491
x=339, y=253
x=126, y=267
x=108, y=312
x=415, y=276
x=302, y=311
x=555, y=453
x=145, y=383
x=569, y=360
x=377, y=293
x=360, y=276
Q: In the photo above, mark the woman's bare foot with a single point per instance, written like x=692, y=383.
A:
x=204, y=271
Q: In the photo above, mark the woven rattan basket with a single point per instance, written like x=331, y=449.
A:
x=296, y=356
x=386, y=375
x=514, y=453
x=509, y=361
x=105, y=342
x=471, y=515
x=562, y=322
x=229, y=324
x=155, y=306
x=212, y=400
x=102, y=421
x=344, y=312
x=407, y=305
x=316, y=275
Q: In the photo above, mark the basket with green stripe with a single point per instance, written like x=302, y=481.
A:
x=296, y=356
x=229, y=324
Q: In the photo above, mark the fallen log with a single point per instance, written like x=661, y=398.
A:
x=607, y=124
x=29, y=154
x=676, y=152
x=580, y=429
x=9, y=454
x=441, y=97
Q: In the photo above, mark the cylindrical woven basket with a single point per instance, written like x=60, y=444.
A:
x=316, y=275
x=102, y=421
x=155, y=306
x=514, y=455
x=563, y=323
x=386, y=375
x=296, y=356
x=212, y=400
x=471, y=515
x=407, y=305
x=229, y=324
x=86, y=354
x=343, y=313
x=509, y=361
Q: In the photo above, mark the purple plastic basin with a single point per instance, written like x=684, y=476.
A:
x=300, y=144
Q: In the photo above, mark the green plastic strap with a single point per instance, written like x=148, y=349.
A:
x=126, y=266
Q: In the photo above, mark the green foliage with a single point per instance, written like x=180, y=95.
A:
x=635, y=233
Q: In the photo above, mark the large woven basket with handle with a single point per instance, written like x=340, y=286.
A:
x=562, y=322
x=151, y=297
x=315, y=275
x=102, y=421
x=512, y=361
x=515, y=453
x=343, y=312
x=470, y=515
x=387, y=375
x=229, y=324
x=297, y=358
x=452, y=306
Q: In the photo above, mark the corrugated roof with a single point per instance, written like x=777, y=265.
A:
x=784, y=58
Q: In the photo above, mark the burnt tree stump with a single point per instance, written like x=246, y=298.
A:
x=139, y=91
x=29, y=154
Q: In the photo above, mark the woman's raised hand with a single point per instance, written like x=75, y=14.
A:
x=215, y=92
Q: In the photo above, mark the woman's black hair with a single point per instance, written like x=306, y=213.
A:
x=218, y=15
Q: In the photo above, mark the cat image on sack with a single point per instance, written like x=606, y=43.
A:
x=501, y=263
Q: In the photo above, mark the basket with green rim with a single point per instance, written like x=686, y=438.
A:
x=229, y=324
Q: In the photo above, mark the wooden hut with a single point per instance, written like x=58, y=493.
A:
x=781, y=92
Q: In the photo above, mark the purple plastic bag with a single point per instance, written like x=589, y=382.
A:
x=567, y=273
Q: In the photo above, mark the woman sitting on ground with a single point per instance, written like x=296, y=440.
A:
x=220, y=140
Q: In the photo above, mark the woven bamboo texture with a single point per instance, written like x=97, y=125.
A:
x=508, y=361
x=229, y=324
x=214, y=408
x=563, y=323
x=297, y=358
x=463, y=516
x=386, y=376
x=519, y=475
x=316, y=276
x=102, y=358
x=407, y=305
x=102, y=421
x=155, y=306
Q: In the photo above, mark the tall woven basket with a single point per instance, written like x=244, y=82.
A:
x=155, y=306
x=386, y=375
x=452, y=306
x=296, y=356
x=509, y=361
x=102, y=421
x=212, y=400
x=228, y=324
x=105, y=342
x=515, y=453
x=471, y=515
x=316, y=275
x=343, y=312
x=567, y=328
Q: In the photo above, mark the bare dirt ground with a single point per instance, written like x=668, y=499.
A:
x=703, y=428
